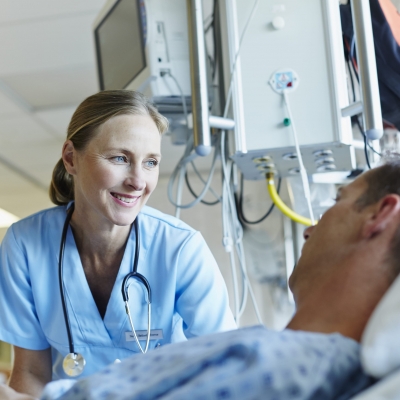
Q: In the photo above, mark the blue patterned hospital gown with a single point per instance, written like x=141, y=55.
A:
x=248, y=363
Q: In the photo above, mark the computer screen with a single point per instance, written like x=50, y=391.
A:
x=120, y=45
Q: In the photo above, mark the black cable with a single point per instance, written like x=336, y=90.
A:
x=365, y=142
x=212, y=58
x=355, y=70
x=207, y=203
x=365, y=137
x=352, y=81
x=214, y=40
x=240, y=205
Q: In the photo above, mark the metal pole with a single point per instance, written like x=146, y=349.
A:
x=198, y=73
x=362, y=24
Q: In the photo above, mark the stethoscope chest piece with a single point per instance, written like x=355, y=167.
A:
x=73, y=364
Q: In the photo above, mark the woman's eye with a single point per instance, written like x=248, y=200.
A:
x=120, y=159
x=151, y=163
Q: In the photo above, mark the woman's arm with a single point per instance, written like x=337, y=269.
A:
x=6, y=393
x=201, y=294
x=31, y=371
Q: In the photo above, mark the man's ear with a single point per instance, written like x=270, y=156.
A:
x=385, y=212
x=68, y=156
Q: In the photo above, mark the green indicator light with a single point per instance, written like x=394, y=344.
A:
x=286, y=122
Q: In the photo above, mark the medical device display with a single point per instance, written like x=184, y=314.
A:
x=74, y=363
x=143, y=45
x=120, y=36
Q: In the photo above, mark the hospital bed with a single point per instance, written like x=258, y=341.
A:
x=323, y=364
x=380, y=348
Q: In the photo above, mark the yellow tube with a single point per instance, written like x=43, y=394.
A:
x=281, y=205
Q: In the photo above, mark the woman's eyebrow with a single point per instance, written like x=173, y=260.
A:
x=128, y=151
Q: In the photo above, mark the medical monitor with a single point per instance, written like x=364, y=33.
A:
x=120, y=44
x=143, y=45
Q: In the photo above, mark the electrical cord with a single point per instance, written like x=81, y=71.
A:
x=184, y=106
x=201, y=178
x=186, y=158
x=195, y=195
x=366, y=143
x=282, y=206
x=233, y=232
x=303, y=172
x=240, y=205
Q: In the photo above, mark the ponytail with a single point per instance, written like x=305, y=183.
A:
x=61, y=190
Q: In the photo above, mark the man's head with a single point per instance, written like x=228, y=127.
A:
x=363, y=227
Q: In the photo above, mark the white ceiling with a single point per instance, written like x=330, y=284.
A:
x=47, y=67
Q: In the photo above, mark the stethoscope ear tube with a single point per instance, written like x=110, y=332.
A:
x=139, y=277
x=60, y=278
x=134, y=273
x=73, y=363
x=125, y=292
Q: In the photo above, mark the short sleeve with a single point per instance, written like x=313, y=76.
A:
x=201, y=297
x=19, y=324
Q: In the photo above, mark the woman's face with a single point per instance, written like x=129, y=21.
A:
x=118, y=170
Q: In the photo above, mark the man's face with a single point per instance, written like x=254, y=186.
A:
x=329, y=240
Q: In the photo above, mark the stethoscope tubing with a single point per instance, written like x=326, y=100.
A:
x=124, y=288
x=60, y=278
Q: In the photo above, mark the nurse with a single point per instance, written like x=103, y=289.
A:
x=52, y=301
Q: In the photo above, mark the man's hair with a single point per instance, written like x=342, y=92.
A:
x=382, y=181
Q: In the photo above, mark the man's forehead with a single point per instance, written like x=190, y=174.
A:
x=357, y=184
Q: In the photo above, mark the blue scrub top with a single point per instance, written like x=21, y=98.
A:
x=189, y=296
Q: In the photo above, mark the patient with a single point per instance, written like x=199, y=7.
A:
x=348, y=262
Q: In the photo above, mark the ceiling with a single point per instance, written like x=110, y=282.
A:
x=47, y=68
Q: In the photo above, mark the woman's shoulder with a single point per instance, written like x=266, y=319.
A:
x=43, y=219
x=151, y=215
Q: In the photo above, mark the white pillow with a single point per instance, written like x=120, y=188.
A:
x=380, y=343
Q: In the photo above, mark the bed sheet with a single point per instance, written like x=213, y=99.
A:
x=248, y=363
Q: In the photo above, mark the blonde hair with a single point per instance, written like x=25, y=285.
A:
x=90, y=114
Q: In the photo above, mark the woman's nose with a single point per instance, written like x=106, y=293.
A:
x=135, y=179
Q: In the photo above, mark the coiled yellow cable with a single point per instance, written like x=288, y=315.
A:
x=281, y=205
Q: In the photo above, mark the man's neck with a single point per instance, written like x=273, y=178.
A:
x=342, y=303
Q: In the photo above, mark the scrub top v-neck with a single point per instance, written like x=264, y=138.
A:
x=189, y=296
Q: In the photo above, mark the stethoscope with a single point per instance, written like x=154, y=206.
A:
x=74, y=363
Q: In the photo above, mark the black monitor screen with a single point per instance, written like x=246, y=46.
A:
x=120, y=45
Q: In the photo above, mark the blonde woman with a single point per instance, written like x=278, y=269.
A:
x=63, y=296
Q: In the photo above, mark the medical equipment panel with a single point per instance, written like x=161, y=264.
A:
x=156, y=57
x=294, y=48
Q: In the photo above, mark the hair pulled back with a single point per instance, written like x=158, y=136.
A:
x=90, y=114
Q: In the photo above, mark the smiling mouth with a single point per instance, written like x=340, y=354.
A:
x=125, y=199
